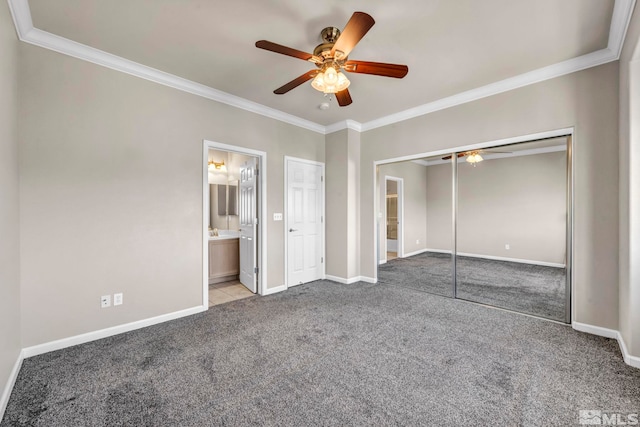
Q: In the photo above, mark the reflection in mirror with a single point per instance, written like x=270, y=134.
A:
x=511, y=228
x=224, y=170
x=415, y=225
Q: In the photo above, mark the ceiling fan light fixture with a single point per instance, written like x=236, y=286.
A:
x=330, y=81
x=474, y=158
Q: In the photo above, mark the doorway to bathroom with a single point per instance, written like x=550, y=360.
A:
x=234, y=239
x=392, y=244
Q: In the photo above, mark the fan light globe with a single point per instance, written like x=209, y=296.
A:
x=330, y=81
x=474, y=158
x=331, y=76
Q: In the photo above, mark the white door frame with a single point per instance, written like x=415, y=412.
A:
x=261, y=210
x=286, y=220
x=400, y=182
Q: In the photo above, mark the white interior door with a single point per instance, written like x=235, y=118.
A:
x=248, y=220
x=305, y=237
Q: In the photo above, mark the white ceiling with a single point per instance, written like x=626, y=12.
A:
x=449, y=46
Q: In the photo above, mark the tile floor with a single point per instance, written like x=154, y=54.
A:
x=392, y=255
x=220, y=293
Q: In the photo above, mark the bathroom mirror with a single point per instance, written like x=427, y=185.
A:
x=223, y=177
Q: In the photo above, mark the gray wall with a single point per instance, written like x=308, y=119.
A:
x=520, y=201
x=337, y=198
x=414, y=178
x=439, y=207
x=629, y=249
x=111, y=192
x=587, y=100
x=9, y=223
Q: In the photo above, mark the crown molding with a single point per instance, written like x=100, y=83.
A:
x=21, y=17
x=622, y=11
x=346, y=124
x=541, y=74
x=27, y=33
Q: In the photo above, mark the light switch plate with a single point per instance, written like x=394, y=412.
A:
x=277, y=217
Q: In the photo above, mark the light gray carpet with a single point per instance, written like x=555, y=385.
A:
x=525, y=288
x=330, y=354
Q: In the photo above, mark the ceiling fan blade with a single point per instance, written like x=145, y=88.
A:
x=284, y=50
x=377, y=68
x=296, y=82
x=353, y=32
x=464, y=153
x=344, y=98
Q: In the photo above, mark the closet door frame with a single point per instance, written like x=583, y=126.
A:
x=570, y=176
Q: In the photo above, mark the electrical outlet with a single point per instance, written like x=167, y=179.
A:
x=105, y=301
x=117, y=299
x=277, y=217
x=507, y=246
x=417, y=241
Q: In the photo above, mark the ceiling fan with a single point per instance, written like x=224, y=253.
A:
x=331, y=57
x=473, y=156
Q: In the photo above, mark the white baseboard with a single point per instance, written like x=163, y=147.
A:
x=351, y=279
x=495, y=258
x=628, y=359
x=11, y=381
x=274, y=290
x=595, y=330
x=107, y=332
x=438, y=251
x=609, y=333
x=418, y=252
x=342, y=279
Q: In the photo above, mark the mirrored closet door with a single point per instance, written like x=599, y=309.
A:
x=511, y=227
x=488, y=226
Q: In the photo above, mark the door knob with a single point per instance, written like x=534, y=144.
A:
x=291, y=230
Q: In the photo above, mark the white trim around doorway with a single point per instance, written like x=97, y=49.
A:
x=262, y=214
x=400, y=249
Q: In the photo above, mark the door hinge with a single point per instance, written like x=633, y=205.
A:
x=256, y=269
x=257, y=171
x=321, y=219
x=257, y=219
x=321, y=178
x=321, y=260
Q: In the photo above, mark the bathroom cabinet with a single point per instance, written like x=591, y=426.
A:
x=224, y=259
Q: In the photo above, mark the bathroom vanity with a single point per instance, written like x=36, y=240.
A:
x=224, y=258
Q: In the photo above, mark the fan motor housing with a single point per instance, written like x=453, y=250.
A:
x=329, y=37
